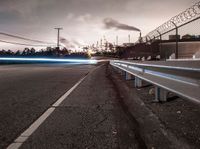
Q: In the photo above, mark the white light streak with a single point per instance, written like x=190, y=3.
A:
x=80, y=61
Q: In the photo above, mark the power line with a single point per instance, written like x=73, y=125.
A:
x=19, y=37
x=17, y=43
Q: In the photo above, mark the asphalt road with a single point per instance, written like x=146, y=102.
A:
x=91, y=117
x=26, y=91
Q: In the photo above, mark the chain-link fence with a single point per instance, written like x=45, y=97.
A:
x=178, y=38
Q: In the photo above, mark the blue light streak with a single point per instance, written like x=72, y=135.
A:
x=78, y=61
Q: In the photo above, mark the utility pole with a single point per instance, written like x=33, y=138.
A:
x=58, y=38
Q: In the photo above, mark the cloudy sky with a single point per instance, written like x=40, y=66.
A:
x=82, y=20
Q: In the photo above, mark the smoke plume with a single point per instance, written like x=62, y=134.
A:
x=111, y=23
x=66, y=42
x=72, y=43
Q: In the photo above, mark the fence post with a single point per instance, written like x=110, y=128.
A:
x=146, y=40
x=160, y=41
x=149, y=38
x=154, y=38
x=176, y=51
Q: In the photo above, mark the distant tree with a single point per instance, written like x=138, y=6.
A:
x=64, y=52
x=25, y=51
x=17, y=53
x=32, y=52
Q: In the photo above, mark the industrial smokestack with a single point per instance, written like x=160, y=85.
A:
x=140, y=38
x=97, y=45
x=116, y=40
x=111, y=23
x=101, y=43
x=129, y=38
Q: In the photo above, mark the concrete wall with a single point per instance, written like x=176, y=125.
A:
x=186, y=49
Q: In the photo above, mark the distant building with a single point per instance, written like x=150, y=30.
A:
x=128, y=44
x=197, y=36
x=187, y=36
x=174, y=37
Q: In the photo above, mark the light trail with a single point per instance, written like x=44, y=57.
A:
x=77, y=61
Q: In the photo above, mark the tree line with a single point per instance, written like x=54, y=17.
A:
x=32, y=52
x=48, y=52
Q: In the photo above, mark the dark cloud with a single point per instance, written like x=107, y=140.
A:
x=66, y=42
x=72, y=43
x=111, y=23
x=7, y=17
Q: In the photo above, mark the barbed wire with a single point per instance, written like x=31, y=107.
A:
x=185, y=17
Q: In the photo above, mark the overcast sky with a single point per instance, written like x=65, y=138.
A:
x=82, y=20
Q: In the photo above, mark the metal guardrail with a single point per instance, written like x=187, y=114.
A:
x=183, y=80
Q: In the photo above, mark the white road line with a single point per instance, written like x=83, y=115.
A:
x=60, y=100
x=28, y=132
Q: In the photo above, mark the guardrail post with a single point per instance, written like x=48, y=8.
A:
x=138, y=82
x=128, y=76
x=123, y=73
x=118, y=70
x=160, y=94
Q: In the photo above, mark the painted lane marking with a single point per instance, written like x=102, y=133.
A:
x=61, y=99
x=28, y=132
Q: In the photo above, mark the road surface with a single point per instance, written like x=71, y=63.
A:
x=91, y=117
x=26, y=91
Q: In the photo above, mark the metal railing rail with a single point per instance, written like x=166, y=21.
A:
x=183, y=81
